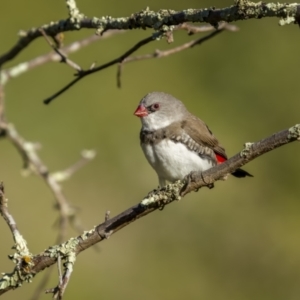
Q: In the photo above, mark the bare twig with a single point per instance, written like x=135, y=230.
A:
x=41, y=287
x=60, y=289
x=20, y=243
x=59, y=269
x=32, y=160
x=63, y=57
x=192, y=29
x=125, y=56
x=52, y=56
x=160, y=54
x=86, y=157
x=83, y=73
x=154, y=201
x=107, y=216
x=73, y=9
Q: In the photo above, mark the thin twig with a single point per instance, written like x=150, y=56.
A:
x=61, y=288
x=63, y=57
x=59, y=269
x=20, y=243
x=32, y=160
x=193, y=29
x=41, y=287
x=160, y=54
x=53, y=56
x=70, y=258
x=120, y=60
x=107, y=216
x=86, y=157
x=83, y=73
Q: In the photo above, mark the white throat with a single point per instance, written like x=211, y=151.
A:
x=152, y=122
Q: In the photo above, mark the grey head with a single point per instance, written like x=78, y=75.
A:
x=158, y=110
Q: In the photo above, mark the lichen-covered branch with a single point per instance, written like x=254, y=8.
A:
x=22, y=257
x=162, y=20
x=126, y=58
x=251, y=151
x=156, y=199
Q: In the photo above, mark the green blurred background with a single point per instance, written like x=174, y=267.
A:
x=240, y=240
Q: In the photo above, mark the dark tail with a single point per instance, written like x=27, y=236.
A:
x=240, y=173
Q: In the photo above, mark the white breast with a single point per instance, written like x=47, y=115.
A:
x=173, y=161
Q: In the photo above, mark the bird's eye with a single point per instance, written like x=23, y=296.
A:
x=155, y=106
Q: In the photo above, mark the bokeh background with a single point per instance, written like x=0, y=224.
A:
x=240, y=240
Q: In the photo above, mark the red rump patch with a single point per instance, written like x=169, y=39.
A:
x=220, y=158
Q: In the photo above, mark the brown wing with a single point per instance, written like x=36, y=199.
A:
x=202, y=135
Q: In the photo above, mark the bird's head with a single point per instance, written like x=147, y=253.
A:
x=158, y=110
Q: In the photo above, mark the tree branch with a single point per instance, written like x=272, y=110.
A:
x=63, y=57
x=154, y=200
x=83, y=73
x=191, y=30
x=161, y=20
x=23, y=67
x=32, y=162
x=125, y=57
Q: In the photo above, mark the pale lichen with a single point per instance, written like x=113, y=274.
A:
x=294, y=132
x=22, y=272
x=63, y=249
x=88, y=233
x=163, y=196
x=74, y=13
x=247, y=150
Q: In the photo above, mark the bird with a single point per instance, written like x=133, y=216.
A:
x=174, y=141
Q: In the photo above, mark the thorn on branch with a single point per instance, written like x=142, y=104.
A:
x=92, y=66
x=105, y=235
x=107, y=216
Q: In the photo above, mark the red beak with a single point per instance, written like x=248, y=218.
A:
x=141, y=111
